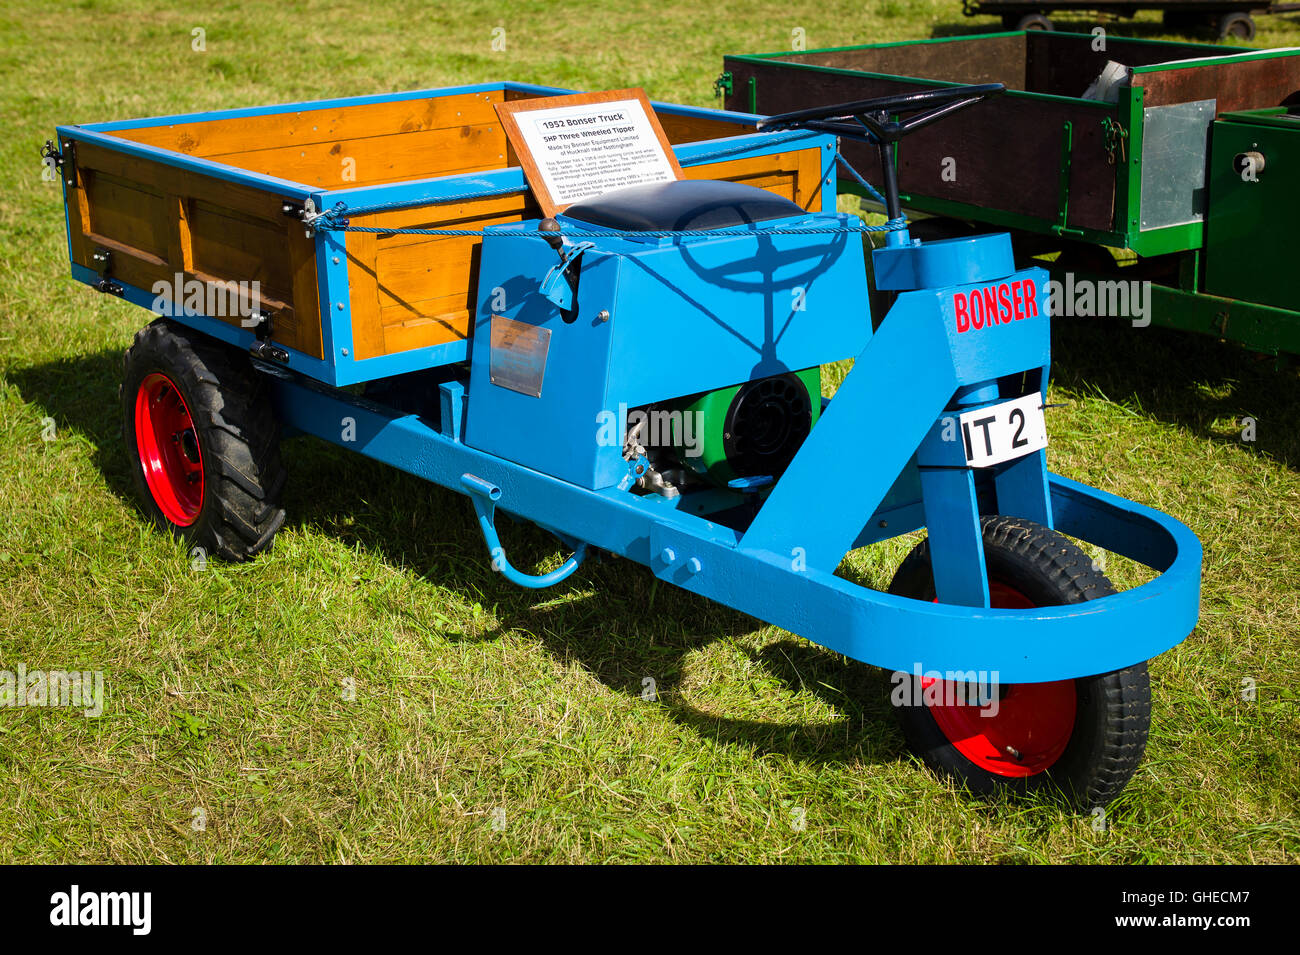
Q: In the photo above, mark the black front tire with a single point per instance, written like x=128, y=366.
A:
x=233, y=442
x=1112, y=713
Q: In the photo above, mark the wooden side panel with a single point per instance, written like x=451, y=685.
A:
x=176, y=226
x=694, y=129
x=1003, y=154
x=1252, y=84
x=1064, y=65
x=411, y=291
x=346, y=146
x=984, y=60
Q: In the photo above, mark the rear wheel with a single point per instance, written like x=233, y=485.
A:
x=1081, y=738
x=203, y=443
x=1034, y=21
x=1238, y=25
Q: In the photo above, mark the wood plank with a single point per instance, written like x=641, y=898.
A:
x=379, y=159
x=1249, y=84
x=695, y=129
x=984, y=142
x=436, y=329
x=129, y=212
x=184, y=182
x=208, y=138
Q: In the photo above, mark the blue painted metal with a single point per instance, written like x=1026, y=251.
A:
x=965, y=261
x=484, y=495
x=681, y=316
x=1049, y=643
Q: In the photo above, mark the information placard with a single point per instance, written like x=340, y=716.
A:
x=575, y=147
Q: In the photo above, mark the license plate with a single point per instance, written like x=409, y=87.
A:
x=1004, y=431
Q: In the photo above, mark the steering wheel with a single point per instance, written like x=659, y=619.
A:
x=873, y=115
x=883, y=121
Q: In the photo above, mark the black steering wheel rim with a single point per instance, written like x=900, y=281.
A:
x=871, y=117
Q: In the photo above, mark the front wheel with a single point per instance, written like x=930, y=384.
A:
x=1081, y=739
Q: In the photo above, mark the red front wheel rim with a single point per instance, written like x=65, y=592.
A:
x=168, y=445
x=1032, y=724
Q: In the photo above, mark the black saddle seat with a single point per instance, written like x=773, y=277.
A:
x=684, y=204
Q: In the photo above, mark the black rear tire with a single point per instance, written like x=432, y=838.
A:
x=1236, y=24
x=231, y=447
x=1112, y=711
x=1034, y=21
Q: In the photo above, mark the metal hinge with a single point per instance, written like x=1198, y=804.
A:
x=60, y=162
x=722, y=85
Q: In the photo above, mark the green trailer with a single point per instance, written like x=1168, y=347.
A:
x=1124, y=161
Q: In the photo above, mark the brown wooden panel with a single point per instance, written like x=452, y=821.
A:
x=236, y=134
x=1006, y=150
x=985, y=60
x=403, y=287
x=128, y=212
x=363, y=294
x=1250, y=84
x=240, y=247
x=444, y=322
x=379, y=159
x=159, y=221
x=695, y=129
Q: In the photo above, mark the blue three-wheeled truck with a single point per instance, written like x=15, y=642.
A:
x=525, y=361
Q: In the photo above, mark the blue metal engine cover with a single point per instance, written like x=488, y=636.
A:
x=652, y=319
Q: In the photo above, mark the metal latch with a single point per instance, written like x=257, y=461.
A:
x=1116, y=140
x=263, y=347
x=555, y=286
x=722, y=85
x=102, y=262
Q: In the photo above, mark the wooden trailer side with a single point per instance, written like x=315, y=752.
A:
x=176, y=231
x=1013, y=153
x=349, y=145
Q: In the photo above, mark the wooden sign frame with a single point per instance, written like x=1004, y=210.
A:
x=507, y=111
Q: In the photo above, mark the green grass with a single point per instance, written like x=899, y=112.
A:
x=226, y=686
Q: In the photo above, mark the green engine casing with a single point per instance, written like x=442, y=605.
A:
x=750, y=429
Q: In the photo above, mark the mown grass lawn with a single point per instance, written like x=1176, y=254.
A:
x=493, y=724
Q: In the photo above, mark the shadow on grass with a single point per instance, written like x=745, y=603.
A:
x=631, y=626
x=1196, y=382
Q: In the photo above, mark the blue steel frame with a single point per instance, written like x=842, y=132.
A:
x=339, y=367
x=885, y=421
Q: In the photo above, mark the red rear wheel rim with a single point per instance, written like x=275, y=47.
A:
x=1033, y=722
x=168, y=445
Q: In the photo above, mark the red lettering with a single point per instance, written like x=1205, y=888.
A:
x=976, y=310
x=1004, y=303
x=1017, y=301
x=990, y=306
x=963, y=317
x=1031, y=299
